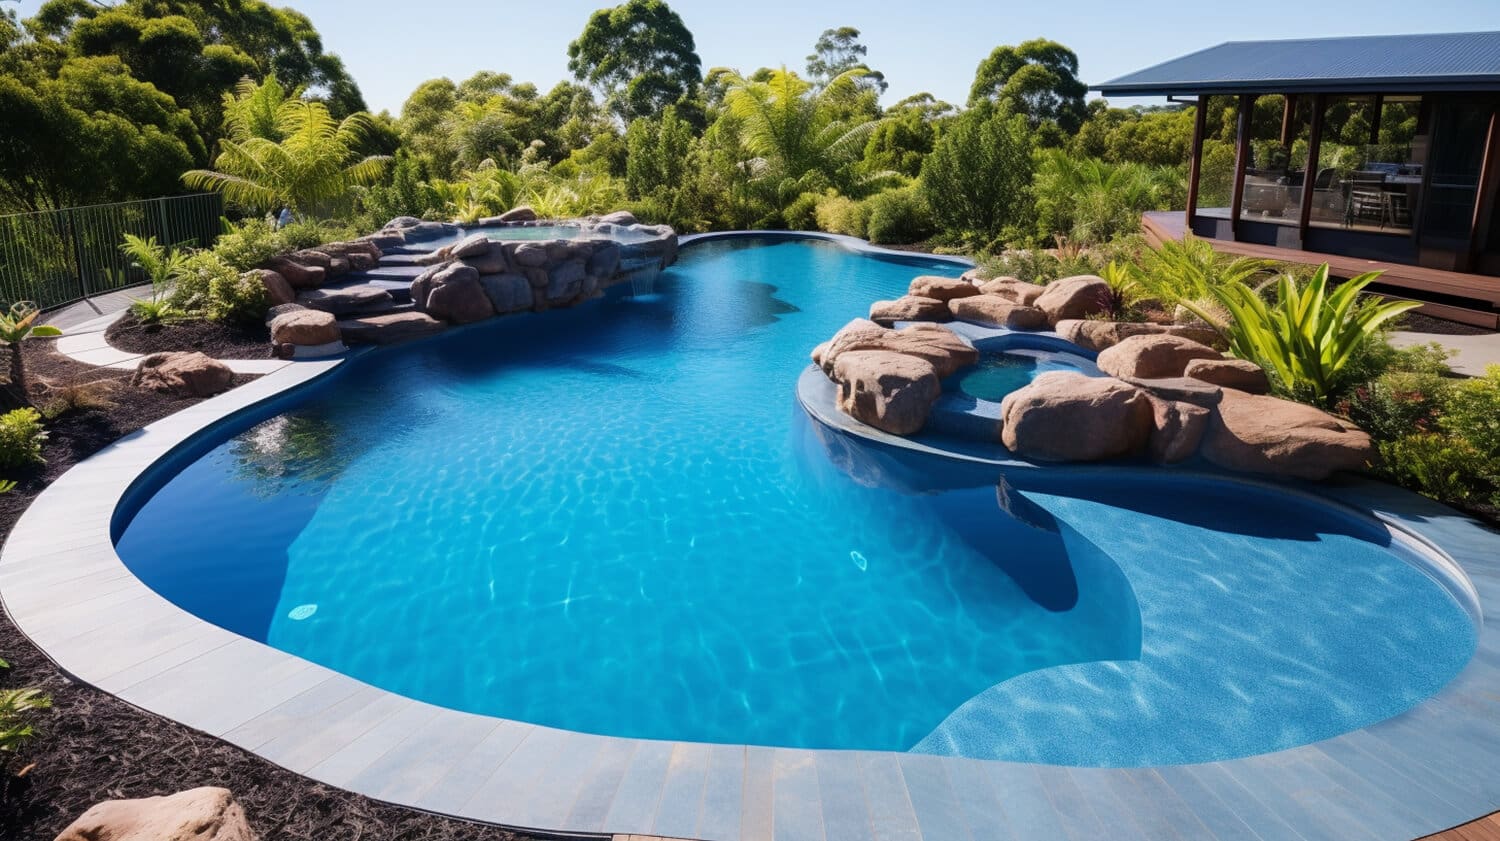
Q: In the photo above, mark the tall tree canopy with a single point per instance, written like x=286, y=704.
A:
x=1039, y=79
x=640, y=55
x=839, y=50
x=978, y=178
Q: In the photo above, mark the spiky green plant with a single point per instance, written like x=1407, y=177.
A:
x=1188, y=271
x=162, y=266
x=15, y=326
x=1307, y=334
x=1125, y=289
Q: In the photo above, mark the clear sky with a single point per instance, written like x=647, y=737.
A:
x=391, y=46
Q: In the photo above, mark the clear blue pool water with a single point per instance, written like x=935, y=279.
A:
x=998, y=374
x=617, y=519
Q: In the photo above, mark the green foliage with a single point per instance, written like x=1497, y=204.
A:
x=20, y=323
x=16, y=707
x=1039, y=79
x=1307, y=335
x=1036, y=265
x=1125, y=289
x=658, y=152
x=1092, y=202
x=838, y=51
x=247, y=244
x=162, y=267
x=1397, y=403
x=208, y=286
x=899, y=216
x=1438, y=466
x=1472, y=413
x=1188, y=271
x=978, y=178
x=802, y=213
x=310, y=165
x=1157, y=136
x=21, y=439
x=839, y=214
x=640, y=54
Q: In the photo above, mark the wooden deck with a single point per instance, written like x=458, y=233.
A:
x=1395, y=279
x=1486, y=828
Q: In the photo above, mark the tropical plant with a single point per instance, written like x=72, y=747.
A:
x=1307, y=335
x=208, y=286
x=311, y=169
x=838, y=214
x=21, y=439
x=162, y=266
x=15, y=326
x=17, y=705
x=1091, y=201
x=1187, y=271
x=1125, y=290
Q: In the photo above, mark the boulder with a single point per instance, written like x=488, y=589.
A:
x=298, y=275
x=1074, y=297
x=311, y=257
x=890, y=391
x=909, y=308
x=460, y=301
x=389, y=329
x=520, y=213
x=352, y=248
x=199, y=814
x=565, y=281
x=1182, y=389
x=997, y=311
x=492, y=261
x=1016, y=290
x=384, y=240
x=359, y=261
x=508, y=292
x=941, y=347
x=401, y=223
x=941, y=288
x=473, y=245
x=1238, y=374
x=604, y=263
x=531, y=255
x=1066, y=416
x=1176, y=430
x=1152, y=356
x=344, y=300
x=277, y=310
x=1259, y=434
x=619, y=217
x=182, y=374
x=304, y=327
x=1097, y=335
x=278, y=291
x=338, y=266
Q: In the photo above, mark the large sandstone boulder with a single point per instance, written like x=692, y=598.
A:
x=1152, y=356
x=1097, y=335
x=344, y=300
x=278, y=291
x=941, y=347
x=1177, y=430
x=508, y=292
x=199, y=814
x=997, y=311
x=1017, y=290
x=182, y=374
x=941, y=288
x=890, y=391
x=1074, y=297
x=353, y=248
x=392, y=328
x=1066, y=416
x=1238, y=374
x=451, y=292
x=298, y=275
x=909, y=308
x=312, y=257
x=305, y=327
x=1259, y=434
x=520, y=213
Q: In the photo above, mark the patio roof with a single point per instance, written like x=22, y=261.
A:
x=1460, y=61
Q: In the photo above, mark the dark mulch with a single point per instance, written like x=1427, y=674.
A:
x=95, y=747
x=221, y=341
x=1419, y=323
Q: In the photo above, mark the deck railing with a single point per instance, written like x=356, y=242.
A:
x=55, y=257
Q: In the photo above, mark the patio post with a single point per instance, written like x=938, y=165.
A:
x=1288, y=118
x=1489, y=174
x=1195, y=158
x=1241, y=161
x=1310, y=172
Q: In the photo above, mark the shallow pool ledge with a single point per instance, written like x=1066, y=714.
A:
x=62, y=583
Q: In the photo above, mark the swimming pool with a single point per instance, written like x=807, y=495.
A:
x=998, y=374
x=624, y=235
x=616, y=519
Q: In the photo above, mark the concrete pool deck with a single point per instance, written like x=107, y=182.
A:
x=1435, y=766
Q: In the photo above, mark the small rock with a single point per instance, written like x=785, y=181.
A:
x=996, y=311
x=890, y=391
x=390, y=329
x=1152, y=356
x=909, y=308
x=619, y=217
x=1066, y=416
x=941, y=288
x=520, y=213
x=200, y=814
x=304, y=327
x=1239, y=374
x=565, y=281
x=508, y=292
x=182, y=374
x=278, y=291
x=531, y=255
x=1074, y=297
x=311, y=257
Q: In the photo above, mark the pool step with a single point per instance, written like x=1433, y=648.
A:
x=384, y=272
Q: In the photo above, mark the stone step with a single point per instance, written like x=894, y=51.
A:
x=387, y=273
x=390, y=328
x=344, y=299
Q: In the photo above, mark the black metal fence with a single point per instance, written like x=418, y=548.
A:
x=56, y=257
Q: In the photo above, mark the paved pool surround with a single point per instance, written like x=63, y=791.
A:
x=1435, y=766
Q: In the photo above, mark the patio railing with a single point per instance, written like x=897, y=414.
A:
x=55, y=257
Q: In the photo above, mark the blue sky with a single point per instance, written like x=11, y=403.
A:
x=391, y=46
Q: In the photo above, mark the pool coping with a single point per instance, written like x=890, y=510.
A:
x=64, y=586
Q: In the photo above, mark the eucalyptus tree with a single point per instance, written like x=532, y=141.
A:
x=1039, y=78
x=978, y=178
x=839, y=50
x=640, y=55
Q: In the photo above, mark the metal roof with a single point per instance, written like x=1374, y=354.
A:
x=1459, y=61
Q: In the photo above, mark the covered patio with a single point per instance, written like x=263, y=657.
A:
x=1379, y=152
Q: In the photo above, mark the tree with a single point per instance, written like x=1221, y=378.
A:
x=837, y=51
x=640, y=55
x=978, y=178
x=311, y=166
x=906, y=136
x=1039, y=79
x=657, y=154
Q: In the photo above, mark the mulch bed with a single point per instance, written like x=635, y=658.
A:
x=1420, y=323
x=221, y=341
x=94, y=747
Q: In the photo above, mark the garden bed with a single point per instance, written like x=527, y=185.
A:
x=221, y=341
x=93, y=747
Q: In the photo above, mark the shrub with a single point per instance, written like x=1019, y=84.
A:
x=838, y=214
x=21, y=439
x=1032, y=265
x=899, y=216
x=978, y=178
x=77, y=397
x=247, y=244
x=210, y=287
x=1398, y=403
x=801, y=214
x=1473, y=413
x=162, y=266
x=1438, y=466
